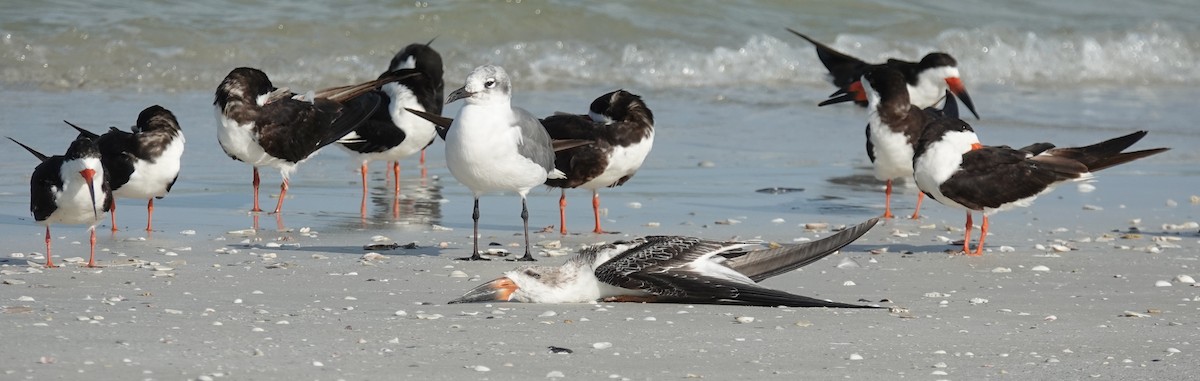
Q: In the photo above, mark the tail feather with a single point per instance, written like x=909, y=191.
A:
x=1122, y=158
x=762, y=264
x=440, y=123
x=1107, y=153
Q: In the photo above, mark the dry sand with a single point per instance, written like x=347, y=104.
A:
x=202, y=298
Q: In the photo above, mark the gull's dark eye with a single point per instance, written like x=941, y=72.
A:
x=490, y=83
x=533, y=274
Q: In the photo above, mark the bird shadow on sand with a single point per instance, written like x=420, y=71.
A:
x=397, y=250
x=901, y=248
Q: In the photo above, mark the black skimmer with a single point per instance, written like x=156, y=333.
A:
x=264, y=126
x=893, y=127
x=952, y=167
x=669, y=269
x=69, y=189
x=621, y=130
x=494, y=147
x=926, y=80
x=391, y=133
x=142, y=164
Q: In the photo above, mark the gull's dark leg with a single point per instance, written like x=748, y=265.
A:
x=525, y=219
x=475, y=236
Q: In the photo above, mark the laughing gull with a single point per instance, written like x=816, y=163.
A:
x=669, y=269
x=493, y=147
x=142, y=164
x=69, y=189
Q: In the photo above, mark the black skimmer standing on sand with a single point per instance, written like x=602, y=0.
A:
x=893, y=127
x=391, y=133
x=493, y=147
x=69, y=189
x=926, y=80
x=142, y=164
x=952, y=167
x=621, y=130
x=264, y=126
x=669, y=269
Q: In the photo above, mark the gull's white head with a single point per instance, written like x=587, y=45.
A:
x=485, y=84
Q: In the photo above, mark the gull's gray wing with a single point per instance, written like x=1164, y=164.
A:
x=535, y=142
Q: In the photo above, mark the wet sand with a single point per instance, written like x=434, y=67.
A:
x=203, y=297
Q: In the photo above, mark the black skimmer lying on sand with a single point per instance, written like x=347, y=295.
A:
x=621, y=132
x=391, y=133
x=926, y=80
x=952, y=167
x=69, y=189
x=893, y=127
x=264, y=126
x=669, y=269
x=142, y=164
x=493, y=147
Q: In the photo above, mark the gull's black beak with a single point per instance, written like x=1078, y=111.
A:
x=458, y=94
x=956, y=86
x=499, y=290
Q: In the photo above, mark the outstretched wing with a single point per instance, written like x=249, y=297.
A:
x=682, y=270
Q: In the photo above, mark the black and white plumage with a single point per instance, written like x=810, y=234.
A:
x=669, y=269
x=264, y=126
x=69, y=189
x=621, y=130
x=952, y=167
x=413, y=80
x=142, y=164
x=893, y=126
x=492, y=146
x=926, y=80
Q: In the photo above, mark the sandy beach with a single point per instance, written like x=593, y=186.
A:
x=1092, y=282
x=1082, y=285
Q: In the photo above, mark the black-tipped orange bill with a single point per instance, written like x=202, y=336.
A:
x=854, y=93
x=956, y=87
x=88, y=175
x=499, y=290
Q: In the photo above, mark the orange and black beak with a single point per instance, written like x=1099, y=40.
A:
x=854, y=92
x=88, y=175
x=960, y=91
x=499, y=290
